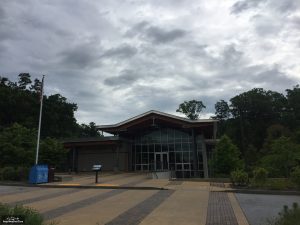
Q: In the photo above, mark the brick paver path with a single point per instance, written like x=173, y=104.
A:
x=219, y=211
x=51, y=214
x=136, y=214
x=46, y=196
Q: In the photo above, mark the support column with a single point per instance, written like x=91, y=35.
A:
x=215, y=130
x=204, y=158
x=195, y=160
x=73, y=158
x=117, y=158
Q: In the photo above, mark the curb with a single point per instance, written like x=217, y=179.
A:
x=268, y=192
x=81, y=186
x=101, y=187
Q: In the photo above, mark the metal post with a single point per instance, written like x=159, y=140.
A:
x=40, y=121
x=96, y=181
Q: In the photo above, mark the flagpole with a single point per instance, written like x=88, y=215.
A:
x=40, y=121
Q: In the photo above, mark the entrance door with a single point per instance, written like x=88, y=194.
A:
x=161, y=161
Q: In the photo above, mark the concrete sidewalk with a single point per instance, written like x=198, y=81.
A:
x=179, y=202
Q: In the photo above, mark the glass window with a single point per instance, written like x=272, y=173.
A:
x=178, y=157
x=144, y=139
x=171, y=157
x=186, y=166
x=156, y=136
x=151, y=157
x=151, y=166
x=186, y=157
x=178, y=147
x=157, y=148
x=164, y=148
x=145, y=148
x=177, y=134
x=145, y=167
x=178, y=166
x=185, y=147
x=138, y=148
x=138, y=158
x=151, y=147
x=172, y=166
x=164, y=136
x=171, y=148
x=145, y=158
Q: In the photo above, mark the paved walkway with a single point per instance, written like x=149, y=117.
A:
x=179, y=202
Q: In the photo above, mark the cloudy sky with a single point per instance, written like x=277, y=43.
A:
x=117, y=59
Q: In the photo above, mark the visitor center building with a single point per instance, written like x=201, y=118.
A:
x=153, y=142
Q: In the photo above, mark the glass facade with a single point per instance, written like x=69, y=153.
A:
x=167, y=149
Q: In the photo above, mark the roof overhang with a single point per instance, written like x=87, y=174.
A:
x=113, y=140
x=151, y=118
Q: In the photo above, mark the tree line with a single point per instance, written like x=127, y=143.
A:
x=19, y=114
x=257, y=128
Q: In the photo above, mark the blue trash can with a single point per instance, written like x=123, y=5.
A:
x=38, y=174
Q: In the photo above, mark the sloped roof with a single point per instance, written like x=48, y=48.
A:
x=154, y=112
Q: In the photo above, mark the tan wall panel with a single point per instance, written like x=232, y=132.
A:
x=106, y=157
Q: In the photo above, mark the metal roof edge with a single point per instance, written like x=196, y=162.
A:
x=158, y=113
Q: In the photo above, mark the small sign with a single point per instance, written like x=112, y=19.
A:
x=8, y=219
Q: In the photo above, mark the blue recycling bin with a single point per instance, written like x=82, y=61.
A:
x=38, y=174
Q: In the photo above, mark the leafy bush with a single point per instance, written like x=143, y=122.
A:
x=23, y=173
x=239, y=177
x=31, y=216
x=226, y=157
x=260, y=176
x=9, y=173
x=287, y=216
x=295, y=176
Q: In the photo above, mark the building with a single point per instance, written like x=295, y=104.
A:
x=152, y=141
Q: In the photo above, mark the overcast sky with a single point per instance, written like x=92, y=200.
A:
x=117, y=59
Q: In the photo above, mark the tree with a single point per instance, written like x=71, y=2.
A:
x=282, y=157
x=293, y=98
x=256, y=110
x=191, y=109
x=52, y=153
x=89, y=130
x=222, y=110
x=24, y=80
x=17, y=146
x=225, y=157
x=36, y=86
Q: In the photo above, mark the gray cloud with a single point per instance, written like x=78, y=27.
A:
x=123, y=51
x=159, y=35
x=243, y=5
x=155, y=34
x=144, y=55
x=125, y=77
x=81, y=56
x=266, y=26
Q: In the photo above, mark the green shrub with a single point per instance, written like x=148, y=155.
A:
x=295, y=176
x=9, y=173
x=260, y=176
x=239, y=177
x=23, y=173
x=287, y=216
x=31, y=216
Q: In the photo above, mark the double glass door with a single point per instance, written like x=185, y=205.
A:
x=161, y=161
